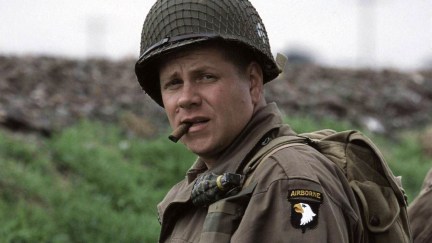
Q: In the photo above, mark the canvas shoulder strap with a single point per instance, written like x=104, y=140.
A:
x=268, y=150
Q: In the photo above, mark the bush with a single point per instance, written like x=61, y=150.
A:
x=406, y=159
x=93, y=183
x=89, y=183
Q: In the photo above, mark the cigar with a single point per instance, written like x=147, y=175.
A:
x=179, y=132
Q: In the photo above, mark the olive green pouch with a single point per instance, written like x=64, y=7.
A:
x=223, y=216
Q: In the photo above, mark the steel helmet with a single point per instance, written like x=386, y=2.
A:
x=173, y=24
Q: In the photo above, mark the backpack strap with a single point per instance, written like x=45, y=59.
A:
x=268, y=150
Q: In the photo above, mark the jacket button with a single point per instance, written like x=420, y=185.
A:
x=374, y=221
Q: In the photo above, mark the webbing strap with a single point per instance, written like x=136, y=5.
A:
x=265, y=152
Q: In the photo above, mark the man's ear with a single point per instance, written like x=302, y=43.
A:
x=256, y=79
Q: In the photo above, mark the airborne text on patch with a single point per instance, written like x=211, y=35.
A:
x=305, y=193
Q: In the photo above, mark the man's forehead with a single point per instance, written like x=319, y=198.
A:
x=207, y=51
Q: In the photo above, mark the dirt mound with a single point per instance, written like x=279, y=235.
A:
x=46, y=94
x=379, y=100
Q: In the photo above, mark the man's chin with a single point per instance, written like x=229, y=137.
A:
x=204, y=152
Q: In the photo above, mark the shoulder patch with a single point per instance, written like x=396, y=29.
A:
x=304, y=208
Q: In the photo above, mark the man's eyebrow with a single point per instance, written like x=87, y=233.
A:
x=198, y=70
x=168, y=77
x=203, y=68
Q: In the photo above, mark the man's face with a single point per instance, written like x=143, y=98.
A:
x=203, y=88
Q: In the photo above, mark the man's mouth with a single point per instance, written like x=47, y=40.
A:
x=195, y=120
x=197, y=124
x=200, y=121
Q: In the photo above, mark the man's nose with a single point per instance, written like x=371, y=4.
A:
x=189, y=97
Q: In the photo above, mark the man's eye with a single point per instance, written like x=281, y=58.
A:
x=173, y=84
x=208, y=77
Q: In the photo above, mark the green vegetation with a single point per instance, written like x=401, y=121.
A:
x=93, y=183
x=89, y=183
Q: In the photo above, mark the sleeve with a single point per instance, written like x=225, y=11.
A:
x=420, y=212
x=293, y=209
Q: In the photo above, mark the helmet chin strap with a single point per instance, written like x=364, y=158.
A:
x=281, y=61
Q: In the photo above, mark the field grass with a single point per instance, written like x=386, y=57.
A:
x=93, y=183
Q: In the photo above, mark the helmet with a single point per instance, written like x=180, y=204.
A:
x=172, y=24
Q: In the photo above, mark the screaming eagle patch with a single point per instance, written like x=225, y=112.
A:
x=304, y=208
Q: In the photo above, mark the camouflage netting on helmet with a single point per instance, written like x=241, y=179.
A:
x=172, y=24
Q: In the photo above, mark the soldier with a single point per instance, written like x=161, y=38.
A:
x=205, y=62
x=420, y=212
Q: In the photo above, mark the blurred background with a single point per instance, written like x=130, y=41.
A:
x=372, y=33
x=83, y=151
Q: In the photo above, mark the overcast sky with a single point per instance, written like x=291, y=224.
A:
x=383, y=33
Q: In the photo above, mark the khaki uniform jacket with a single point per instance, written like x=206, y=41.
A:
x=420, y=213
x=267, y=210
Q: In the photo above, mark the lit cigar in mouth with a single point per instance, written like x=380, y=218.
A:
x=179, y=132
